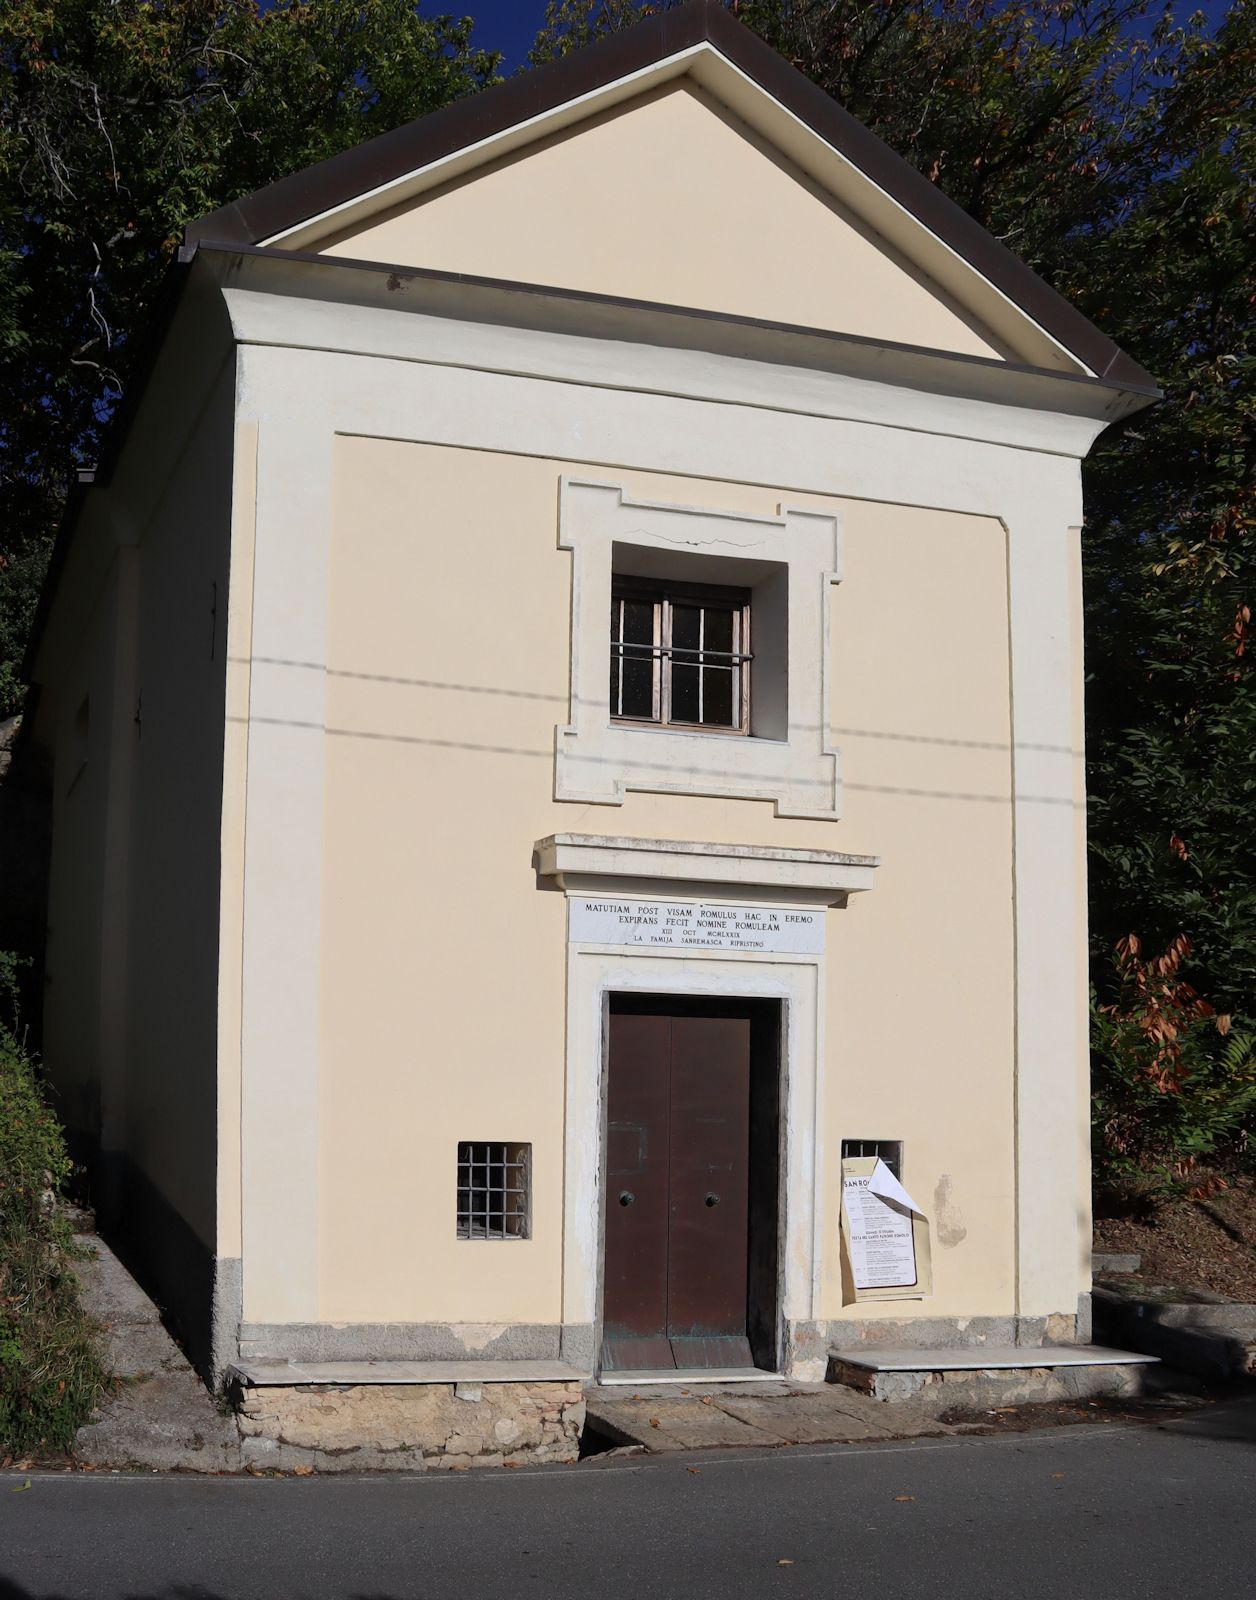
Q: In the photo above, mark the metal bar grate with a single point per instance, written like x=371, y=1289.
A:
x=889, y=1150
x=494, y=1189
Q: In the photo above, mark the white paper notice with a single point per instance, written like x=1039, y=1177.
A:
x=882, y=1245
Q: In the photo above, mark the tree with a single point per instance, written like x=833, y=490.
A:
x=120, y=121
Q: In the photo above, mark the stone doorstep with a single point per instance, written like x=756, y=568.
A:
x=983, y=1358
x=941, y=1380
x=721, y=1417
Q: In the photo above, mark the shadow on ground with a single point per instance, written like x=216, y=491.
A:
x=1232, y=1420
x=178, y=1591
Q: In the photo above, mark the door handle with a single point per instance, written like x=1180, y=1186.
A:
x=626, y=1197
x=712, y=1199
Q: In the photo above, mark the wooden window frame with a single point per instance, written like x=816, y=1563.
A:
x=662, y=595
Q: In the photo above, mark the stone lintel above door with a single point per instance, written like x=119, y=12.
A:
x=582, y=863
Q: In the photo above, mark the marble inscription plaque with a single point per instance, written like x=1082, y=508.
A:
x=694, y=925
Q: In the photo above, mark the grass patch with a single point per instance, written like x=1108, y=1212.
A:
x=51, y=1371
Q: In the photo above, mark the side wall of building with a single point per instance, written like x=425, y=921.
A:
x=136, y=713
x=89, y=769
x=172, y=938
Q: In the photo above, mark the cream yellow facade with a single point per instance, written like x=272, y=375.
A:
x=342, y=627
x=618, y=204
x=429, y=701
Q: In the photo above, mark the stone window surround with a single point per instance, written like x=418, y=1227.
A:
x=597, y=761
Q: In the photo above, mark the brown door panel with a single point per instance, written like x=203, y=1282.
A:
x=709, y=1351
x=677, y=1199
x=635, y=1290
x=710, y=1144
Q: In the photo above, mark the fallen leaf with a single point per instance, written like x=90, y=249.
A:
x=22, y=1486
x=1057, y=1474
x=707, y=1400
x=654, y=1422
x=904, y=1496
x=694, y=1470
x=784, y=1561
x=303, y=1472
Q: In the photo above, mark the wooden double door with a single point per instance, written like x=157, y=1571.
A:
x=677, y=1272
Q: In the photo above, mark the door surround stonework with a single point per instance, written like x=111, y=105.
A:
x=803, y=879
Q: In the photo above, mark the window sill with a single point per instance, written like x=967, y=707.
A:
x=686, y=731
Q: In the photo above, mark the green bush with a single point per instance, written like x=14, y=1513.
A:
x=1173, y=1084
x=51, y=1373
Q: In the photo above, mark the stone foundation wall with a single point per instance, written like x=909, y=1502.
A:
x=408, y=1427
x=938, y=1393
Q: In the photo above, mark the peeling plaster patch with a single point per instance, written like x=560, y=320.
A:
x=950, y=1220
x=477, y=1336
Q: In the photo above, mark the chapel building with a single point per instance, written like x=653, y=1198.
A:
x=565, y=711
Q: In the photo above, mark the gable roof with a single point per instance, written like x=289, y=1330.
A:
x=381, y=164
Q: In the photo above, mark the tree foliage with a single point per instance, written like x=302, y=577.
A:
x=121, y=121
x=1178, y=1087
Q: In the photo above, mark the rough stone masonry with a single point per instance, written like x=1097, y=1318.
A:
x=368, y=1427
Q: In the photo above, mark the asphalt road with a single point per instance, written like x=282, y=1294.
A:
x=1111, y=1510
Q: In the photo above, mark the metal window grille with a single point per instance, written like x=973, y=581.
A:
x=680, y=655
x=889, y=1150
x=494, y=1189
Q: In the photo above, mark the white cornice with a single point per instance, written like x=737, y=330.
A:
x=666, y=350
x=579, y=861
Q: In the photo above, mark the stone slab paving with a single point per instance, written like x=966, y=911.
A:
x=719, y=1418
x=795, y=1420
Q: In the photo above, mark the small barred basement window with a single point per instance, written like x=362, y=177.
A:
x=494, y=1189
x=888, y=1150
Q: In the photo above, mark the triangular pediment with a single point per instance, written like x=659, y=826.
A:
x=680, y=162
x=670, y=198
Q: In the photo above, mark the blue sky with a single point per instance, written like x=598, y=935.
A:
x=506, y=25
x=511, y=25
